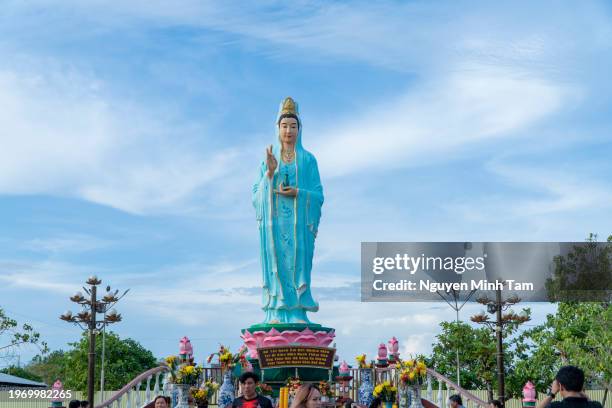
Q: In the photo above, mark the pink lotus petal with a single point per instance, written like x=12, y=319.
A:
x=259, y=337
x=291, y=335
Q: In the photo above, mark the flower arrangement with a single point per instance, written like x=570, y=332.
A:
x=171, y=362
x=201, y=395
x=188, y=374
x=325, y=389
x=414, y=372
x=386, y=391
x=229, y=360
x=361, y=361
x=293, y=384
x=264, y=389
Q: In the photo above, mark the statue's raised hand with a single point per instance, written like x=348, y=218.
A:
x=271, y=162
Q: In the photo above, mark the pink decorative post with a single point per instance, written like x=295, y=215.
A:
x=530, y=396
x=382, y=356
x=393, y=346
x=185, y=349
x=344, y=380
x=57, y=393
x=344, y=369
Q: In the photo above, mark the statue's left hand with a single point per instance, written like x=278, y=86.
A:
x=286, y=191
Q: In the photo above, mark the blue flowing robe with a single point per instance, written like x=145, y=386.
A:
x=287, y=230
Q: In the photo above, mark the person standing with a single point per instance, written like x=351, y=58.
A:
x=250, y=399
x=569, y=382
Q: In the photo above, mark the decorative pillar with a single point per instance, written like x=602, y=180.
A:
x=343, y=380
x=185, y=350
x=57, y=392
x=530, y=396
x=393, y=346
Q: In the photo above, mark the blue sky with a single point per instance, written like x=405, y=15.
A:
x=131, y=134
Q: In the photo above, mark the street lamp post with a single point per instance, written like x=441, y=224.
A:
x=87, y=320
x=496, y=307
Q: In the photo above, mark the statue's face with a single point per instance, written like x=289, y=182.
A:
x=288, y=129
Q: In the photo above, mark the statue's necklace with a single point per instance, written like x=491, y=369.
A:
x=288, y=155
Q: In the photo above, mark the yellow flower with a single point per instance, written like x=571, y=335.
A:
x=411, y=375
x=170, y=360
x=189, y=370
x=378, y=389
x=409, y=363
x=225, y=357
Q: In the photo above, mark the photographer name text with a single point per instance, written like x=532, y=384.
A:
x=433, y=286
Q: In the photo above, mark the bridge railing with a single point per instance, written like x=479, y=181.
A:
x=153, y=386
x=151, y=379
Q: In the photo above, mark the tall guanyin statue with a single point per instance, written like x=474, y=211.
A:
x=287, y=197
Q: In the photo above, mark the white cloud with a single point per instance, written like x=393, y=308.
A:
x=416, y=344
x=540, y=201
x=45, y=276
x=565, y=190
x=64, y=135
x=65, y=243
x=439, y=120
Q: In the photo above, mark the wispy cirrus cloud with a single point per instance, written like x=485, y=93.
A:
x=64, y=135
x=441, y=119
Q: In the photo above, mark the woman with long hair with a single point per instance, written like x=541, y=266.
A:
x=307, y=396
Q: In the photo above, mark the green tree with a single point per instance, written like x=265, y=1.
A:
x=21, y=372
x=476, y=349
x=124, y=360
x=577, y=334
x=49, y=367
x=12, y=335
x=584, y=274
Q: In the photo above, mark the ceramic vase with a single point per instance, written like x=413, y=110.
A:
x=226, y=391
x=366, y=388
x=415, y=397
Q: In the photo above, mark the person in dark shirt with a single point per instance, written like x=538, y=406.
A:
x=455, y=401
x=495, y=404
x=569, y=381
x=250, y=399
x=376, y=403
x=74, y=404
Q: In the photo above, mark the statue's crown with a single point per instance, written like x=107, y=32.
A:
x=289, y=106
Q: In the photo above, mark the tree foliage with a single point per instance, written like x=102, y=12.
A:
x=577, y=334
x=21, y=373
x=124, y=360
x=477, y=354
x=12, y=335
x=584, y=274
x=49, y=367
